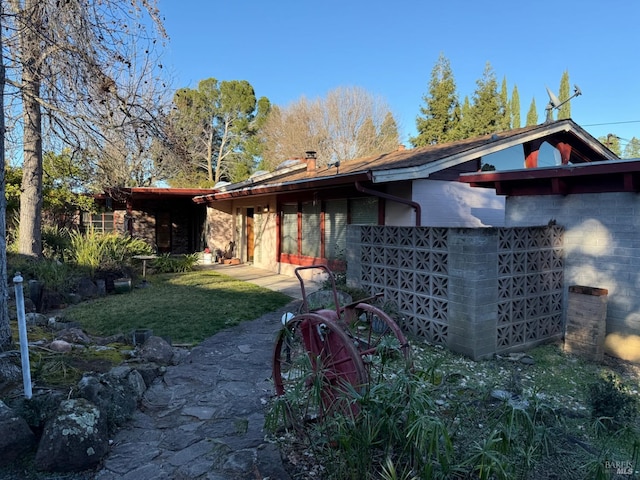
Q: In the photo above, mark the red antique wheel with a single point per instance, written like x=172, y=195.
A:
x=316, y=369
x=378, y=339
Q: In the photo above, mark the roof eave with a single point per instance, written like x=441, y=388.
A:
x=298, y=185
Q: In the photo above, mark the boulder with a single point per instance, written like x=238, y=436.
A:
x=86, y=288
x=117, y=338
x=10, y=372
x=132, y=377
x=156, y=350
x=74, y=335
x=60, y=346
x=33, y=318
x=113, y=395
x=16, y=438
x=74, y=440
x=149, y=372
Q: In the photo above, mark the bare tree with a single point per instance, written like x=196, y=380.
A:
x=5, y=327
x=349, y=123
x=84, y=72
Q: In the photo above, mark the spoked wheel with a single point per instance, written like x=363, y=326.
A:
x=378, y=339
x=316, y=369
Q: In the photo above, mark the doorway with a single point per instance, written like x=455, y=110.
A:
x=250, y=235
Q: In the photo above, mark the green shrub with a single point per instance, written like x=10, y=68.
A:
x=55, y=241
x=611, y=401
x=117, y=250
x=108, y=251
x=56, y=276
x=86, y=250
x=167, y=263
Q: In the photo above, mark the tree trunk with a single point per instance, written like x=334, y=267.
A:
x=30, y=230
x=6, y=342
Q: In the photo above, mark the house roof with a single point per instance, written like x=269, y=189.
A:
x=595, y=177
x=154, y=193
x=415, y=163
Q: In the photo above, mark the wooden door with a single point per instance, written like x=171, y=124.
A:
x=250, y=235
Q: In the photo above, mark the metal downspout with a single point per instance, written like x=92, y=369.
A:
x=393, y=198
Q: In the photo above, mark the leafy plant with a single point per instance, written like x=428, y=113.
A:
x=106, y=251
x=86, y=249
x=167, y=263
x=611, y=401
x=55, y=242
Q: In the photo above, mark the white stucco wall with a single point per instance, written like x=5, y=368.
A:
x=456, y=204
x=602, y=249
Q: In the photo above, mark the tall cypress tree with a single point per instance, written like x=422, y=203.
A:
x=465, y=124
x=505, y=108
x=515, y=108
x=437, y=124
x=532, y=114
x=632, y=150
x=486, y=103
x=565, y=110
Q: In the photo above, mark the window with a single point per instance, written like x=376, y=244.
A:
x=289, y=229
x=319, y=229
x=311, y=233
x=335, y=229
x=99, y=222
x=364, y=211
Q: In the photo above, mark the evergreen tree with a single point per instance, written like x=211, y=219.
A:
x=565, y=110
x=437, y=123
x=388, y=138
x=505, y=108
x=465, y=124
x=632, y=150
x=515, y=108
x=532, y=114
x=486, y=104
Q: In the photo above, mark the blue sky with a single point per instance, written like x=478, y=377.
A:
x=288, y=49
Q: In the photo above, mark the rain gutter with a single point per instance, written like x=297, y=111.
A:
x=416, y=206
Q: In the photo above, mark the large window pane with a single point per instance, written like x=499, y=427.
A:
x=335, y=229
x=289, y=229
x=364, y=211
x=311, y=229
x=99, y=222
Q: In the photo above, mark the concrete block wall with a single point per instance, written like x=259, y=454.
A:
x=478, y=291
x=473, y=291
x=602, y=250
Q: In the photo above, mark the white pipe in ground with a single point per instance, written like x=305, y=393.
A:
x=22, y=331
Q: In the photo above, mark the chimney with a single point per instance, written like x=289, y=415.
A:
x=310, y=157
x=400, y=147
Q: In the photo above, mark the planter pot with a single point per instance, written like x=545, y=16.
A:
x=122, y=285
x=207, y=258
x=142, y=335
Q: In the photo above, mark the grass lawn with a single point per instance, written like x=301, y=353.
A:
x=185, y=307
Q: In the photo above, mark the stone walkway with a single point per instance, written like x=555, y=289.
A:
x=205, y=418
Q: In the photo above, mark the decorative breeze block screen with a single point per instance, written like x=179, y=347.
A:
x=530, y=282
x=409, y=266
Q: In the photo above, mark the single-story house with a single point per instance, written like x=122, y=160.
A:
x=167, y=218
x=297, y=214
x=598, y=205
